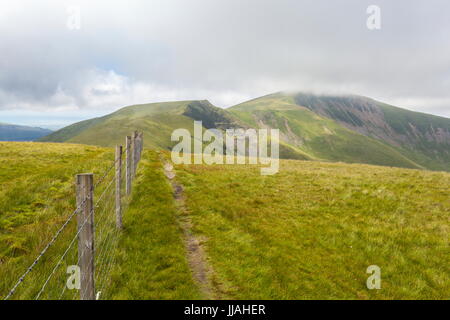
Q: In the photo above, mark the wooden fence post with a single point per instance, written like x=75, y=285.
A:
x=128, y=166
x=135, y=151
x=141, y=144
x=138, y=149
x=133, y=154
x=85, y=220
x=118, y=187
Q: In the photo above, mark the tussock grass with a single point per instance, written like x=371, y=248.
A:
x=311, y=231
x=308, y=232
x=151, y=261
x=37, y=195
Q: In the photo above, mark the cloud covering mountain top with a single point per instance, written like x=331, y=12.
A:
x=225, y=51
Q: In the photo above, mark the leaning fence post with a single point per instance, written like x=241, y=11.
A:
x=128, y=166
x=118, y=186
x=85, y=220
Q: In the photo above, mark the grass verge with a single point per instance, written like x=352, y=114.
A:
x=151, y=257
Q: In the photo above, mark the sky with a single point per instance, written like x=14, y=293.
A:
x=65, y=61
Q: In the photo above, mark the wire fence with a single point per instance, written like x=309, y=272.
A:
x=77, y=261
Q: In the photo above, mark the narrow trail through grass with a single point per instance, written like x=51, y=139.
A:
x=151, y=259
x=195, y=252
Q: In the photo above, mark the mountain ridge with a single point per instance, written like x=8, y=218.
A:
x=15, y=132
x=347, y=128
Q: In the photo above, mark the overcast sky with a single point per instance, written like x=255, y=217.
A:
x=226, y=51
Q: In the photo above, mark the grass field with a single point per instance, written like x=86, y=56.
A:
x=308, y=232
x=37, y=194
x=311, y=231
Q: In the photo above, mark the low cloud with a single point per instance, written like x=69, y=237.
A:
x=225, y=51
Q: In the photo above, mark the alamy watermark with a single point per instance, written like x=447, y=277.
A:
x=73, y=282
x=74, y=18
x=240, y=145
x=374, y=280
x=374, y=19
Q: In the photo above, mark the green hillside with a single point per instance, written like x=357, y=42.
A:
x=350, y=129
x=316, y=135
x=423, y=138
x=12, y=132
x=156, y=120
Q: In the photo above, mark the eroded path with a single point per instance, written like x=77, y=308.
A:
x=196, y=255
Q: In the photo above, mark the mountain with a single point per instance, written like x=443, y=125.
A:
x=156, y=120
x=351, y=129
x=12, y=132
x=421, y=137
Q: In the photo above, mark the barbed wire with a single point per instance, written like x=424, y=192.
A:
x=107, y=171
x=106, y=236
x=109, y=265
x=73, y=239
x=52, y=241
x=106, y=239
x=98, y=238
x=100, y=217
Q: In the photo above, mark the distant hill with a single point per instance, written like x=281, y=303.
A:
x=156, y=120
x=421, y=137
x=351, y=129
x=12, y=132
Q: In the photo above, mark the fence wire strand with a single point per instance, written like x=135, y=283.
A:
x=106, y=238
x=41, y=254
x=73, y=240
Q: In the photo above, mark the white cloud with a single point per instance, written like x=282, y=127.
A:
x=224, y=51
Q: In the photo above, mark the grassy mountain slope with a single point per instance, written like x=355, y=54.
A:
x=351, y=129
x=312, y=230
x=12, y=132
x=423, y=138
x=318, y=136
x=157, y=121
